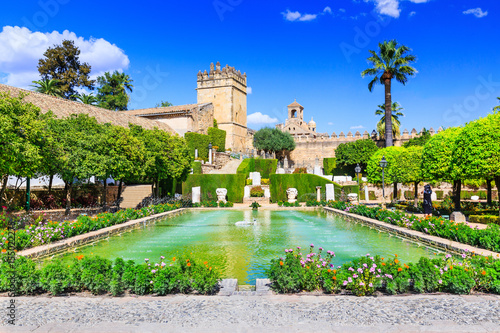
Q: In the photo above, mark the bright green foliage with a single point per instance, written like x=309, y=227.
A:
x=89, y=99
x=329, y=164
x=305, y=185
x=349, y=154
x=395, y=107
x=266, y=167
x=477, y=152
x=420, y=140
x=197, y=168
x=273, y=140
x=209, y=183
x=48, y=87
x=62, y=63
x=218, y=138
x=112, y=91
x=22, y=128
x=391, y=62
x=198, y=141
x=437, y=157
x=392, y=173
x=407, y=165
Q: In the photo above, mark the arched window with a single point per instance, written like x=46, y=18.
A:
x=294, y=113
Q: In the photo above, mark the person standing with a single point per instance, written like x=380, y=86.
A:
x=427, y=200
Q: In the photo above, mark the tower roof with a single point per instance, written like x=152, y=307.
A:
x=312, y=122
x=294, y=104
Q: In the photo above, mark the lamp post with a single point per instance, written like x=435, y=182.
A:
x=383, y=165
x=357, y=169
x=210, y=153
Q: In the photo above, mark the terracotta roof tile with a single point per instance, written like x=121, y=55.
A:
x=64, y=108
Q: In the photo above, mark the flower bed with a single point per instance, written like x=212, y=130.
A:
x=296, y=272
x=99, y=276
x=42, y=233
x=488, y=238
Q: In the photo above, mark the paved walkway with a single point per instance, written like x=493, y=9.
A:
x=229, y=168
x=277, y=313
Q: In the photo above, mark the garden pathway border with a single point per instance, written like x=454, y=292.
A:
x=435, y=241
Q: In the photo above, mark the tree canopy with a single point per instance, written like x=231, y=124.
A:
x=273, y=140
x=112, y=91
x=396, y=108
x=48, y=87
x=391, y=61
x=392, y=173
x=351, y=153
x=419, y=140
x=163, y=104
x=61, y=62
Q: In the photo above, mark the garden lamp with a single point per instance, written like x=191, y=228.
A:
x=357, y=169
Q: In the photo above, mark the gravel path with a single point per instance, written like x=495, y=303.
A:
x=276, y=313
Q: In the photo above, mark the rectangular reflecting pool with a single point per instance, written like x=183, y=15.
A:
x=243, y=251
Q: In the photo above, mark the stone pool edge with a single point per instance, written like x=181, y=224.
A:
x=435, y=241
x=45, y=250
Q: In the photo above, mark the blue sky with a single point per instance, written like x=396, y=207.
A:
x=310, y=51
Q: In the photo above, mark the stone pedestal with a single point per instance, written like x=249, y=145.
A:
x=292, y=194
x=317, y=171
x=280, y=171
x=255, y=176
x=221, y=194
x=210, y=160
x=285, y=163
x=367, y=196
x=433, y=196
x=352, y=197
x=457, y=217
x=196, y=153
x=246, y=192
x=330, y=192
x=196, y=194
x=318, y=193
x=267, y=192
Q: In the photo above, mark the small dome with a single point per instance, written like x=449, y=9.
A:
x=312, y=123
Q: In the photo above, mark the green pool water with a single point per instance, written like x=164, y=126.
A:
x=244, y=252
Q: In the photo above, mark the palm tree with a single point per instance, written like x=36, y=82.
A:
x=392, y=61
x=89, y=99
x=48, y=87
x=396, y=107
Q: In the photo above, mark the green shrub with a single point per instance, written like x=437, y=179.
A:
x=305, y=185
x=257, y=192
x=248, y=181
x=197, y=168
x=439, y=194
x=264, y=181
x=409, y=195
x=218, y=138
x=266, y=167
x=486, y=219
x=300, y=170
x=372, y=195
x=329, y=164
x=234, y=184
x=198, y=141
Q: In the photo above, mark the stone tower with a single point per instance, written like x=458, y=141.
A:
x=226, y=89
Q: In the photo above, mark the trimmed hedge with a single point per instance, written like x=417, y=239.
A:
x=218, y=138
x=330, y=168
x=486, y=219
x=266, y=167
x=305, y=185
x=198, y=141
x=197, y=168
x=209, y=183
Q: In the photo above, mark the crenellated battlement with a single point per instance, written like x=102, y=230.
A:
x=216, y=73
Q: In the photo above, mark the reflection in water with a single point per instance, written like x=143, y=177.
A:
x=244, y=252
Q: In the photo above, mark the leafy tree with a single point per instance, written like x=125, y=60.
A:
x=497, y=108
x=395, y=119
x=392, y=173
x=274, y=141
x=89, y=99
x=78, y=157
x=419, y=141
x=48, y=87
x=166, y=157
x=408, y=167
x=112, y=91
x=437, y=161
x=62, y=63
x=163, y=104
x=215, y=124
x=21, y=135
x=477, y=152
x=351, y=153
x=391, y=61
x=121, y=156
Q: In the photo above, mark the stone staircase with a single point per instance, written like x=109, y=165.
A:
x=229, y=168
x=133, y=195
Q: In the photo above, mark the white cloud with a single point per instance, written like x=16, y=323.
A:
x=291, y=16
x=259, y=118
x=20, y=50
x=420, y=1
x=330, y=123
x=342, y=10
x=357, y=127
x=297, y=16
x=412, y=14
x=391, y=7
x=327, y=10
x=308, y=17
x=249, y=90
x=477, y=12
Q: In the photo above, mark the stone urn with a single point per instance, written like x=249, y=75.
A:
x=221, y=194
x=292, y=194
x=352, y=197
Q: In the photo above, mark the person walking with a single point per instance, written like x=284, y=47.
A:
x=427, y=201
